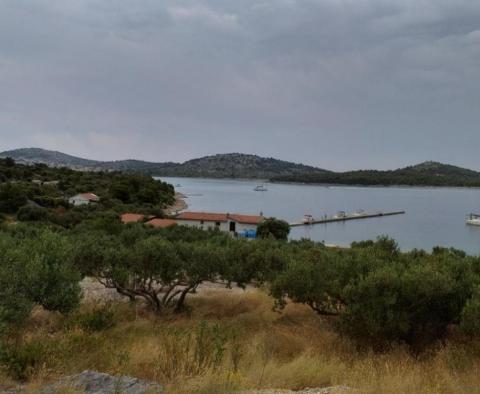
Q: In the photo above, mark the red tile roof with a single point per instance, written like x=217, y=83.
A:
x=132, y=217
x=219, y=217
x=205, y=216
x=90, y=196
x=246, y=219
x=162, y=223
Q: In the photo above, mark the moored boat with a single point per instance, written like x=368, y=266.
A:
x=473, y=219
x=260, y=188
x=307, y=219
x=359, y=212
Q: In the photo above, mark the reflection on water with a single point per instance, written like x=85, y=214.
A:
x=434, y=216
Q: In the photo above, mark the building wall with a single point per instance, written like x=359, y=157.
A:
x=205, y=225
x=78, y=201
x=242, y=227
x=224, y=226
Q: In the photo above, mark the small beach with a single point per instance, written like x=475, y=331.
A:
x=179, y=204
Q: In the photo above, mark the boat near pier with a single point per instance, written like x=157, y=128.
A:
x=473, y=219
x=343, y=216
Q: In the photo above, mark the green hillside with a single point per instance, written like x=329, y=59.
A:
x=425, y=174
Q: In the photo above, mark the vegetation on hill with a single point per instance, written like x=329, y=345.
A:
x=425, y=174
x=38, y=192
x=51, y=158
x=232, y=165
x=237, y=165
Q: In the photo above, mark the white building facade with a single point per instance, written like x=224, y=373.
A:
x=226, y=222
x=83, y=199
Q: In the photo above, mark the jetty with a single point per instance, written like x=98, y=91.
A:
x=344, y=217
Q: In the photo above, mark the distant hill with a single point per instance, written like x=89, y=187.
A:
x=231, y=165
x=49, y=157
x=238, y=165
x=429, y=173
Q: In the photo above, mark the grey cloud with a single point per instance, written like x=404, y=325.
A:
x=365, y=83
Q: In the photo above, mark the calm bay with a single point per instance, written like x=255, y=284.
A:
x=434, y=216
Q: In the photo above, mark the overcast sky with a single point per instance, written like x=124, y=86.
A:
x=337, y=84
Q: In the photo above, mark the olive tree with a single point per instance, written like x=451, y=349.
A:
x=161, y=272
x=378, y=295
x=36, y=270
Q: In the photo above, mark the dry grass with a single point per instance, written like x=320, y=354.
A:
x=244, y=345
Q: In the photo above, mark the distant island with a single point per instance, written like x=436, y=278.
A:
x=230, y=165
x=429, y=173
x=238, y=165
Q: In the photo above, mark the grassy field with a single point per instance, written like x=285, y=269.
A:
x=232, y=341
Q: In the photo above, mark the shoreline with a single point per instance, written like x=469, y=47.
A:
x=322, y=184
x=179, y=204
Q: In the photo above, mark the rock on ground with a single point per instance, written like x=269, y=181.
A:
x=90, y=382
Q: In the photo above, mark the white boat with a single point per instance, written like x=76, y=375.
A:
x=260, y=188
x=340, y=215
x=473, y=219
x=307, y=219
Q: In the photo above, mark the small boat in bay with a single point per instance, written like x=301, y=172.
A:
x=473, y=219
x=260, y=188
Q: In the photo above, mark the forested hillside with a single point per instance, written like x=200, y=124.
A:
x=425, y=174
x=39, y=192
x=230, y=165
x=238, y=165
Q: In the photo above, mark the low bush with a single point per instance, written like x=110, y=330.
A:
x=31, y=213
x=99, y=319
x=470, y=321
x=21, y=359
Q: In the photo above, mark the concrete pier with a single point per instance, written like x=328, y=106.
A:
x=358, y=216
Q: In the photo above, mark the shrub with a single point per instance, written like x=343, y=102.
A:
x=470, y=320
x=271, y=227
x=97, y=320
x=414, y=304
x=380, y=295
x=37, y=269
x=12, y=197
x=31, y=213
x=20, y=359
